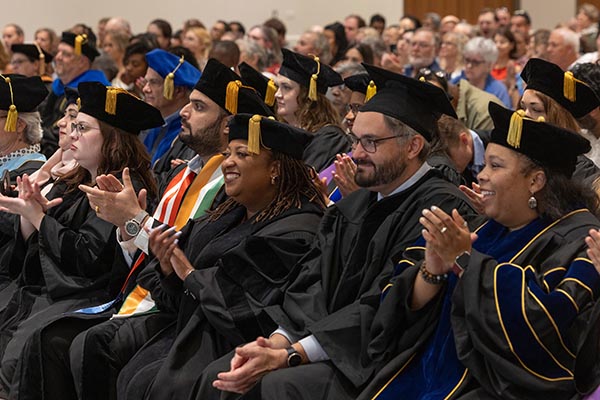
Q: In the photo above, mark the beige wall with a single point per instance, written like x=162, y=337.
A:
x=296, y=14
x=546, y=14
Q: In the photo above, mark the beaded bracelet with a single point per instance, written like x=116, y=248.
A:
x=432, y=278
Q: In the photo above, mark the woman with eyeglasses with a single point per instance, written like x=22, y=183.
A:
x=301, y=102
x=497, y=313
x=66, y=254
x=480, y=55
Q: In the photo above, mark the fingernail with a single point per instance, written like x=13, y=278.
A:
x=176, y=241
x=433, y=208
x=425, y=211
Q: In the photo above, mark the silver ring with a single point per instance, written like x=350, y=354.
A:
x=443, y=230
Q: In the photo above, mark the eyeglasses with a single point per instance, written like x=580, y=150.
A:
x=446, y=43
x=80, y=128
x=17, y=62
x=422, y=45
x=352, y=107
x=474, y=63
x=368, y=143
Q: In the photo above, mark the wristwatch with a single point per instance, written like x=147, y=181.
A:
x=293, y=357
x=133, y=226
x=461, y=262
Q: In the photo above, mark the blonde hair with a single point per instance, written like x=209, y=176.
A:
x=204, y=37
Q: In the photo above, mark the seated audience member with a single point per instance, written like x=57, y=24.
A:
x=198, y=41
x=72, y=65
x=314, y=43
x=267, y=38
x=254, y=55
x=301, y=102
x=480, y=55
x=339, y=95
x=66, y=253
x=424, y=47
x=114, y=45
x=560, y=99
x=226, y=52
x=494, y=313
x=337, y=41
x=232, y=264
x=169, y=81
x=563, y=48
x=136, y=66
x=47, y=39
x=316, y=353
x=96, y=342
x=162, y=31
x=21, y=130
x=359, y=53
x=30, y=60
x=590, y=123
x=62, y=161
x=451, y=54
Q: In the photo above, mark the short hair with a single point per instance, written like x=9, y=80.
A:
x=226, y=52
x=435, y=37
x=377, y=18
x=360, y=20
x=321, y=46
x=570, y=38
x=33, y=127
x=239, y=25
x=277, y=25
x=274, y=55
x=147, y=39
x=524, y=14
x=416, y=21
x=404, y=132
x=121, y=23
x=193, y=23
x=435, y=19
x=18, y=29
x=80, y=29
x=136, y=48
x=350, y=68
x=484, y=47
x=376, y=44
x=449, y=130
x=486, y=10
x=163, y=26
x=252, y=48
x=541, y=36
x=590, y=10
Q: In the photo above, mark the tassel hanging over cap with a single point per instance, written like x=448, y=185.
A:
x=515, y=129
x=79, y=41
x=169, y=85
x=11, y=118
x=312, y=89
x=110, y=105
x=570, y=86
x=254, y=134
x=42, y=57
x=270, y=95
x=371, y=91
x=79, y=103
x=231, y=96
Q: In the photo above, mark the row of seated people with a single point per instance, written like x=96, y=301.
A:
x=243, y=283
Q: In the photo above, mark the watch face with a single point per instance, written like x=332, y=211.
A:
x=132, y=228
x=294, y=359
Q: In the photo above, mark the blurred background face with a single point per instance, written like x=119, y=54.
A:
x=42, y=38
x=21, y=65
x=476, y=69
x=163, y=41
x=135, y=67
x=422, y=49
x=306, y=44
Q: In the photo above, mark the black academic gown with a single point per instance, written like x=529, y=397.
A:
x=327, y=142
x=358, y=241
x=162, y=166
x=72, y=262
x=517, y=325
x=241, y=268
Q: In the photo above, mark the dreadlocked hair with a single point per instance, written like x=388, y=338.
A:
x=295, y=182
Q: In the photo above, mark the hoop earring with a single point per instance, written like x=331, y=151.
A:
x=532, y=202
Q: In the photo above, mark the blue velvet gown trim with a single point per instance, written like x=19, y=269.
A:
x=436, y=371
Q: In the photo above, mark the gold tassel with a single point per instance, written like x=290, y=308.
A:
x=79, y=41
x=270, y=95
x=515, y=129
x=371, y=91
x=79, y=103
x=254, y=134
x=110, y=106
x=569, y=86
x=11, y=119
x=312, y=89
x=422, y=79
x=42, y=58
x=231, y=96
x=169, y=85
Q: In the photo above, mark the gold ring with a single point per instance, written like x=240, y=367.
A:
x=97, y=209
x=443, y=230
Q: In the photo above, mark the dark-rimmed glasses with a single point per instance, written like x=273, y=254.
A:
x=369, y=143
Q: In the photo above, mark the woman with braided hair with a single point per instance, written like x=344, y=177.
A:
x=222, y=270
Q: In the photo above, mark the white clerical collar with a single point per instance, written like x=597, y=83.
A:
x=409, y=182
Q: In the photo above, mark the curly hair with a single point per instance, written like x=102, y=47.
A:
x=119, y=149
x=296, y=181
x=313, y=115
